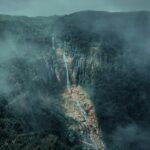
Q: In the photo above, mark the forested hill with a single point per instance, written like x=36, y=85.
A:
x=56, y=71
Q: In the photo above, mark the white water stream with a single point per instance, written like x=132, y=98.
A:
x=53, y=42
x=84, y=114
x=67, y=73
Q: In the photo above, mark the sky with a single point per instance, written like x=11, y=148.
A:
x=61, y=7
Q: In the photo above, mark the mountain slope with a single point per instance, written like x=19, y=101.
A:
x=106, y=56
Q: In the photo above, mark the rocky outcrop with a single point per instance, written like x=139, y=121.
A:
x=83, y=121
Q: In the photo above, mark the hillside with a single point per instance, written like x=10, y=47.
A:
x=80, y=80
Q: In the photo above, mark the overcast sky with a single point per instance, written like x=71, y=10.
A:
x=60, y=7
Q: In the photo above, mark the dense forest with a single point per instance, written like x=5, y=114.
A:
x=109, y=59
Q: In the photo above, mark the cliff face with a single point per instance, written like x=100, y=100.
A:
x=107, y=54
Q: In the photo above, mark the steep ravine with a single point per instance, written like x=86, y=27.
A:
x=77, y=103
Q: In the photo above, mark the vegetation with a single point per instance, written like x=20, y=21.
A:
x=110, y=56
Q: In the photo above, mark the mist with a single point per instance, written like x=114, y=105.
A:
x=109, y=59
x=25, y=79
x=131, y=137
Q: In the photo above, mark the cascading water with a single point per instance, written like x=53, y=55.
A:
x=67, y=73
x=47, y=66
x=53, y=42
x=84, y=114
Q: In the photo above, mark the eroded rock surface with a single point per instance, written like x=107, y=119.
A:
x=79, y=107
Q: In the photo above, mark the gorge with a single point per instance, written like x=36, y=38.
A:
x=78, y=81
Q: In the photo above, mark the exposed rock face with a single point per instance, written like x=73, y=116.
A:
x=80, y=109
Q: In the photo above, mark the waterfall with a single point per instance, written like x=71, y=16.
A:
x=53, y=42
x=67, y=73
x=82, y=111
x=47, y=66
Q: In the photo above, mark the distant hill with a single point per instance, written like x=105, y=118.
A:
x=107, y=56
